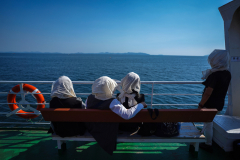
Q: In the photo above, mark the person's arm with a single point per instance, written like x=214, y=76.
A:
x=120, y=110
x=205, y=96
x=82, y=103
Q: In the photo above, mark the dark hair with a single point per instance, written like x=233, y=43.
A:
x=133, y=91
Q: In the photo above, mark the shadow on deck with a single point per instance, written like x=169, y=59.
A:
x=37, y=144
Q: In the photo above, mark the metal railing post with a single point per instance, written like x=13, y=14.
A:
x=152, y=95
x=22, y=92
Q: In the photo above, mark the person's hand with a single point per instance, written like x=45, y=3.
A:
x=200, y=106
x=144, y=104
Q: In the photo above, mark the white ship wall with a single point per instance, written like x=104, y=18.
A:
x=231, y=16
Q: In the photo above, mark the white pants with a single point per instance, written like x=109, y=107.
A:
x=208, y=132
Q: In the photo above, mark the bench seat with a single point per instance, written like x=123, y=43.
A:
x=188, y=134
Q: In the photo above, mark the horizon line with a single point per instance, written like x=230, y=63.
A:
x=37, y=52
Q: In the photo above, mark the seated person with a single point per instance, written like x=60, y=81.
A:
x=129, y=97
x=63, y=96
x=102, y=98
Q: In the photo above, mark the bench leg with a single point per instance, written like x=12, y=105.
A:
x=194, y=147
x=61, y=144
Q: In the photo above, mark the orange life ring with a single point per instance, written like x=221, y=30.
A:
x=11, y=98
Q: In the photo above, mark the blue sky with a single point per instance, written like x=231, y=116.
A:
x=169, y=27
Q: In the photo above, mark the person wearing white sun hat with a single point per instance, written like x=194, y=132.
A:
x=129, y=96
x=102, y=98
x=63, y=96
x=216, y=86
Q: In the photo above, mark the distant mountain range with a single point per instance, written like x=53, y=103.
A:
x=127, y=53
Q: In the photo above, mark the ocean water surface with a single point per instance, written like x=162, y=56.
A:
x=88, y=67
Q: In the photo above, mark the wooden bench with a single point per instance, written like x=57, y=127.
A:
x=188, y=132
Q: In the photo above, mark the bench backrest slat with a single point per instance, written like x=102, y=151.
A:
x=95, y=115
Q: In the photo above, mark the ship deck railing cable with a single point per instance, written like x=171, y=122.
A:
x=22, y=93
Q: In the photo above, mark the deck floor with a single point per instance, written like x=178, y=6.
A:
x=16, y=144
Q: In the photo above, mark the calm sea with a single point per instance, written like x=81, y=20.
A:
x=78, y=67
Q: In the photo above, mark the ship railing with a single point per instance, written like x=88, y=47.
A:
x=36, y=112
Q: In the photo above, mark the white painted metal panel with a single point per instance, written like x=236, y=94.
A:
x=226, y=129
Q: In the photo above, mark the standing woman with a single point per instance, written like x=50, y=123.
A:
x=130, y=97
x=63, y=96
x=216, y=86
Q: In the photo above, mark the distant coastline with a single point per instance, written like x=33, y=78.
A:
x=127, y=53
x=101, y=53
